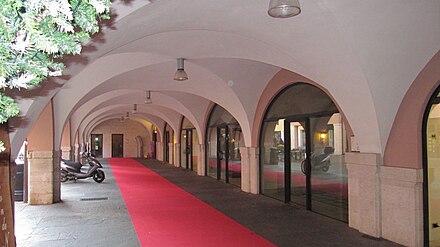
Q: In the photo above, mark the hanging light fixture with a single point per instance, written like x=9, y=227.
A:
x=284, y=8
x=180, y=74
x=148, y=97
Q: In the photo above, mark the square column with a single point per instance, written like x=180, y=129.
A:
x=245, y=170
x=177, y=155
x=171, y=152
x=65, y=153
x=201, y=169
x=364, y=193
x=159, y=151
x=41, y=177
x=402, y=205
x=254, y=170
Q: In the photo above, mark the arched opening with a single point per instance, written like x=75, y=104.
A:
x=224, y=139
x=431, y=170
x=302, y=144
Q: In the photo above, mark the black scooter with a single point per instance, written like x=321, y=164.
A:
x=320, y=162
x=71, y=170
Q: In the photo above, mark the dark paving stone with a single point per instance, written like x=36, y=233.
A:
x=282, y=224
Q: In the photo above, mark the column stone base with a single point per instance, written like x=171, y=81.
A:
x=41, y=174
x=364, y=192
x=402, y=205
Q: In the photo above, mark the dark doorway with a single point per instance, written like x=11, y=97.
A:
x=96, y=145
x=186, y=149
x=167, y=147
x=117, y=145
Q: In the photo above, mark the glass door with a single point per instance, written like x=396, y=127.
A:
x=234, y=156
x=328, y=173
x=295, y=154
x=222, y=153
x=316, y=176
x=97, y=145
x=212, y=152
x=167, y=147
x=432, y=173
x=186, y=149
x=189, y=156
x=183, y=149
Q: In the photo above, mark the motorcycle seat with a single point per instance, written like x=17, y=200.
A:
x=73, y=164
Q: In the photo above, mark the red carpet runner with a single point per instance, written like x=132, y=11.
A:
x=166, y=215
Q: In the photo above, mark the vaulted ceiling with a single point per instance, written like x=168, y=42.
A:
x=365, y=53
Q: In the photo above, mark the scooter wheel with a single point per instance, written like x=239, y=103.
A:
x=99, y=176
x=303, y=167
x=63, y=177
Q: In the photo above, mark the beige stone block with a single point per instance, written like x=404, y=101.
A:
x=353, y=219
x=398, y=196
x=363, y=159
x=40, y=199
x=368, y=225
x=44, y=188
x=402, y=205
x=353, y=203
x=34, y=154
x=401, y=174
x=40, y=177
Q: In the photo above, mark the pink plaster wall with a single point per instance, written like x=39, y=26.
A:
x=130, y=130
x=65, y=138
x=41, y=135
x=404, y=146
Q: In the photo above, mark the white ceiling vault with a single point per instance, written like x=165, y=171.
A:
x=365, y=53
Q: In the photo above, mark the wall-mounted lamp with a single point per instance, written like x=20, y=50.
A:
x=148, y=97
x=284, y=8
x=180, y=74
x=323, y=136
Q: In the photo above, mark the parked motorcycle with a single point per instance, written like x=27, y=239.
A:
x=71, y=170
x=320, y=162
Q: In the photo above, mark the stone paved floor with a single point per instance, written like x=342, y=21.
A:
x=103, y=222
x=107, y=223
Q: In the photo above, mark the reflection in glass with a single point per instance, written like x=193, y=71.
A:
x=234, y=160
x=272, y=158
x=212, y=152
x=223, y=147
x=313, y=170
x=183, y=148
x=222, y=155
x=189, y=149
x=329, y=179
x=195, y=150
x=433, y=156
x=298, y=188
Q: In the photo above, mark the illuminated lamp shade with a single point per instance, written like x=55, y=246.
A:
x=180, y=74
x=284, y=8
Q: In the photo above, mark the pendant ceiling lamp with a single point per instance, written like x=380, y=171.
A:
x=284, y=8
x=180, y=74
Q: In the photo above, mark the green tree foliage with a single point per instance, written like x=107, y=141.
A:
x=36, y=32
x=34, y=36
